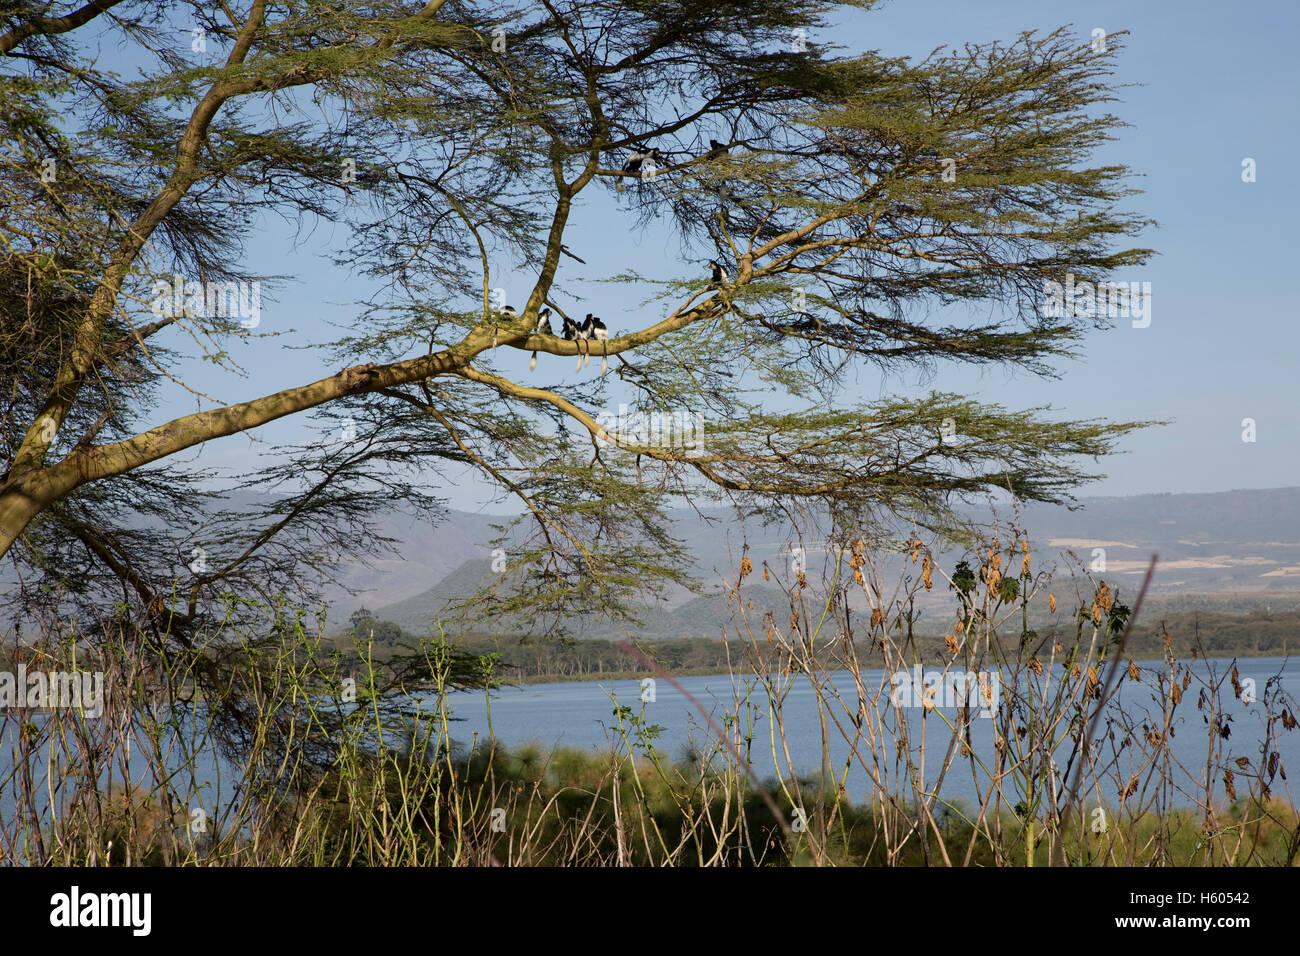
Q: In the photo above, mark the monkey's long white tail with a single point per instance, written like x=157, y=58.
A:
x=532, y=363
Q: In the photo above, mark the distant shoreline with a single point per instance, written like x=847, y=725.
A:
x=637, y=675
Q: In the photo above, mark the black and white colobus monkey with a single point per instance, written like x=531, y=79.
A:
x=595, y=329
x=509, y=312
x=638, y=159
x=571, y=331
x=583, y=334
x=717, y=149
x=543, y=328
x=718, y=275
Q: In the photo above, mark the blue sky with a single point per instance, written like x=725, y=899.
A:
x=1211, y=85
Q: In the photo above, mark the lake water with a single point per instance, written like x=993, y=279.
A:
x=579, y=715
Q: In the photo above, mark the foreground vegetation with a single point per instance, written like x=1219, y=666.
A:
x=333, y=758
x=500, y=807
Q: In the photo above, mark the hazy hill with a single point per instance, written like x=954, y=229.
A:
x=702, y=616
x=1223, y=542
x=1241, y=546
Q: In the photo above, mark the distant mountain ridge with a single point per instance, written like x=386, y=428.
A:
x=1220, y=543
x=701, y=616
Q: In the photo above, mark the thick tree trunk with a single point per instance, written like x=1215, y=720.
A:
x=17, y=509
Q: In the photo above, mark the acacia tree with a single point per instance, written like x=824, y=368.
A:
x=848, y=196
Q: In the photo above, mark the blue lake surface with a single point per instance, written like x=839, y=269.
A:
x=579, y=715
